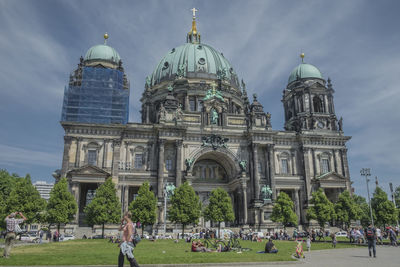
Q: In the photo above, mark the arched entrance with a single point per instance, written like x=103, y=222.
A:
x=217, y=169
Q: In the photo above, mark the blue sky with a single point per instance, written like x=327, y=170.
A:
x=355, y=43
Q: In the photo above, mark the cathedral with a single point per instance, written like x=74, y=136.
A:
x=199, y=125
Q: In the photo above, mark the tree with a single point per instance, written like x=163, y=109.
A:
x=397, y=196
x=346, y=209
x=25, y=198
x=219, y=208
x=62, y=206
x=185, y=206
x=7, y=184
x=144, y=207
x=105, y=206
x=283, y=210
x=362, y=204
x=384, y=211
x=322, y=209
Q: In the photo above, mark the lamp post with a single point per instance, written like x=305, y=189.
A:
x=393, y=200
x=367, y=172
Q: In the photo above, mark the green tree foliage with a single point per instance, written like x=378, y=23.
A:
x=220, y=208
x=384, y=211
x=7, y=183
x=283, y=210
x=322, y=210
x=397, y=196
x=362, y=204
x=185, y=206
x=105, y=206
x=25, y=198
x=144, y=207
x=346, y=209
x=62, y=206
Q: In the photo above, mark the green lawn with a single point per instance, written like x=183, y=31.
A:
x=101, y=252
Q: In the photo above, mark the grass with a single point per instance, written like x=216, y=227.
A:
x=101, y=252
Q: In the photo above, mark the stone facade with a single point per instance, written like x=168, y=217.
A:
x=201, y=128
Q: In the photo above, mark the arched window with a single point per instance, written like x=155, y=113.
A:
x=317, y=104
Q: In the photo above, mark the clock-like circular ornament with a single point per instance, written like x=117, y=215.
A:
x=320, y=124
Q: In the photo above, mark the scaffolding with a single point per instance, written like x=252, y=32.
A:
x=97, y=95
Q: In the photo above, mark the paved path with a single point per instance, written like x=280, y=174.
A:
x=352, y=257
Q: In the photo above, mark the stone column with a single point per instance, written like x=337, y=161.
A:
x=116, y=159
x=78, y=152
x=104, y=162
x=334, y=160
x=160, y=182
x=346, y=169
x=126, y=155
x=65, y=162
x=76, y=192
x=147, y=113
x=255, y=172
x=313, y=162
x=244, y=194
x=178, y=166
x=326, y=102
x=297, y=203
x=187, y=106
x=307, y=173
x=126, y=197
x=294, y=165
x=271, y=159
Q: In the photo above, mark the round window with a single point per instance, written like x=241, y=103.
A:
x=202, y=61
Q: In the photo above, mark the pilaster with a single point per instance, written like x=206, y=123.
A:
x=160, y=177
x=178, y=167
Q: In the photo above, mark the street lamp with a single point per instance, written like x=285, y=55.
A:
x=367, y=172
x=393, y=200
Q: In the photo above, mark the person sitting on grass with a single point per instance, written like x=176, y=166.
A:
x=270, y=247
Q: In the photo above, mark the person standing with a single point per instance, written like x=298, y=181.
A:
x=11, y=224
x=379, y=236
x=41, y=236
x=370, y=235
x=126, y=248
x=308, y=243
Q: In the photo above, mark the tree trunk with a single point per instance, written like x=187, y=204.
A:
x=142, y=229
x=102, y=231
x=219, y=230
x=58, y=230
x=183, y=230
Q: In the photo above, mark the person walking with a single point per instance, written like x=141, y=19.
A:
x=12, y=225
x=370, y=235
x=126, y=248
x=392, y=237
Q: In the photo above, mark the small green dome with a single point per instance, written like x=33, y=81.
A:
x=102, y=52
x=304, y=70
x=194, y=60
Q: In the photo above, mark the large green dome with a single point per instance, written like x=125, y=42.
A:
x=102, y=52
x=304, y=70
x=193, y=60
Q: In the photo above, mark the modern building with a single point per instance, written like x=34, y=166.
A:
x=198, y=125
x=44, y=189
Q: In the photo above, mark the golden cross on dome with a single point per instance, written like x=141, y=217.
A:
x=194, y=12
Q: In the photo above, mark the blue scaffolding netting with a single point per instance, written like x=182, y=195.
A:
x=100, y=97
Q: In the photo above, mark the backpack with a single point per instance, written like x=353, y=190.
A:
x=370, y=233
